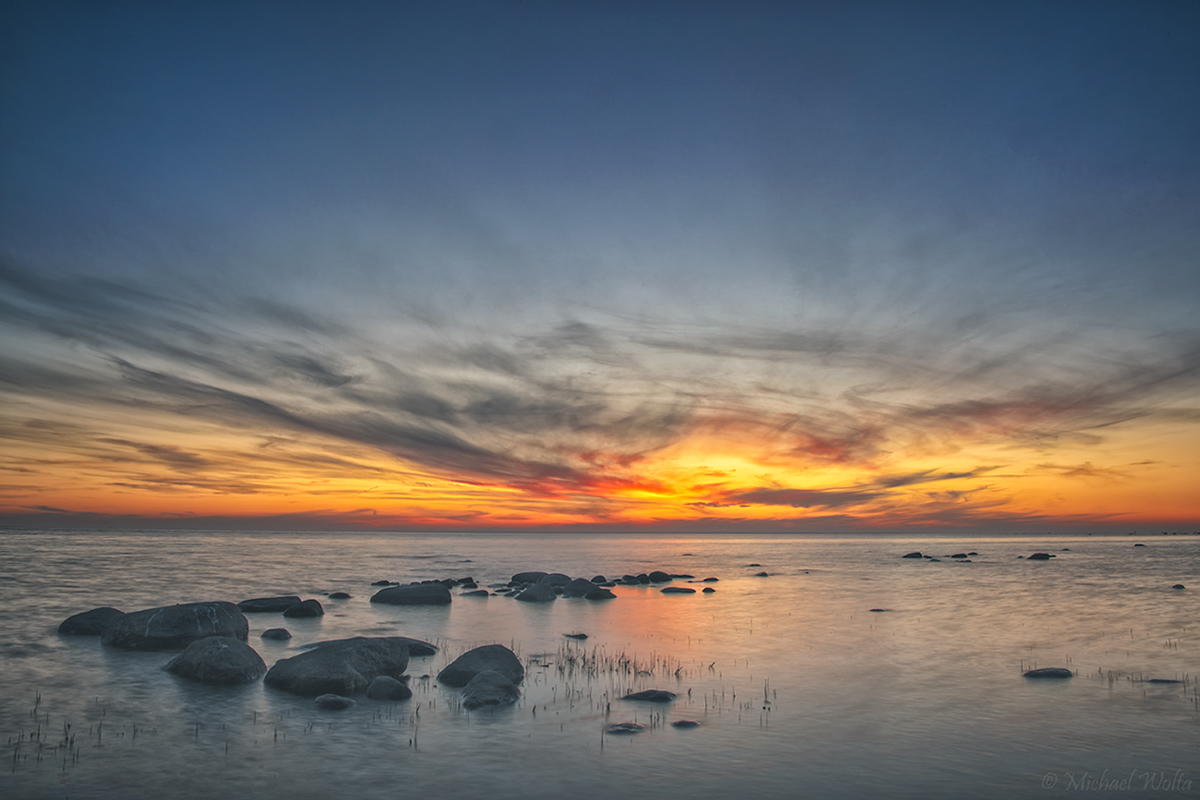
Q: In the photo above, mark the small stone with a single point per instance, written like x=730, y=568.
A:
x=267, y=605
x=1040, y=557
x=277, y=634
x=1050, y=672
x=624, y=728
x=576, y=635
x=651, y=696
x=338, y=596
x=685, y=724
x=761, y=575
x=385, y=687
x=1179, y=586
x=677, y=590
x=914, y=554
x=709, y=590
x=308, y=608
x=333, y=702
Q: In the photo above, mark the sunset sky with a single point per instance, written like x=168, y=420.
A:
x=600, y=265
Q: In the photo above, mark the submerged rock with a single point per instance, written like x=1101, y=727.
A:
x=489, y=688
x=532, y=576
x=1040, y=557
x=93, y=623
x=1176, y=586
x=338, y=595
x=219, y=661
x=708, y=590
x=476, y=593
x=624, y=728
x=385, y=687
x=414, y=594
x=277, y=634
x=580, y=636
x=761, y=575
x=175, y=627
x=495, y=657
x=333, y=702
x=677, y=590
x=599, y=594
x=416, y=647
x=1050, y=672
x=346, y=666
x=307, y=608
x=651, y=696
x=914, y=554
x=267, y=605
x=685, y=724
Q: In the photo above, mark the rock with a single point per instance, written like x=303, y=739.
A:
x=333, y=702
x=555, y=579
x=346, y=666
x=538, y=593
x=681, y=576
x=278, y=634
x=658, y=576
x=92, y=623
x=685, y=724
x=489, y=688
x=416, y=647
x=624, y=728
x=1050, y=672
x=378, y=583
x=218, y=660
x=266, y=605
x=338, y=595
x=1163, y=680
x=475, y=593
x=710, y=580
x=528, y=577
x=599, y=594
x=959, y=555
x=414, y=594
x=578, y=588
x=938, y=560
x=878, y=610
x=708, y=590
x=1176, y=586
x=677, y=590
x=914, y=554
x=580, y=636
x=973, y=553
x=175, y=627
x=754, y=565
x=1040, y=557
x=599, y=579
x=308, y=608
x=651, y=696
x=494, y=657
x=385, y=687
x=761, y=575
x=1139, y=544
x=643, y=578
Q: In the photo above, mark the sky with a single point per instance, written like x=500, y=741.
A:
x=679, y=266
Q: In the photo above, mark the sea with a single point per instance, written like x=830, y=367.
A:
x=844, y=671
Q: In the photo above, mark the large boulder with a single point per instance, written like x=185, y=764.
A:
x=218, y=660
x=343, y=667
x=494, y=657
x=538, y=593
x=658, y=576
x=416, y=647
x=578, y=588
x=414, y=594
x=89, y=623
x=267, y=605
x=489, y=688
x=175, y=627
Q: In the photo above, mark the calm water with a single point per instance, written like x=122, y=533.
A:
x=801, y=689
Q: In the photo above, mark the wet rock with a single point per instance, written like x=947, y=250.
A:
x=580, y=636
x=1050, y=672
x=599, y=579
x=651, y=696
x=1040, y=557
x=538, y=593
x=681, y=576
x=495, y=657
x=643, y=578
x=416, y=647
x=973, y=553
x=677, y=590
x=385, y=687
x=658, y=576
x=1176, y=586
x=913, y=554
x=761, y=575
x=276, y=634
x=1139, y=544
x=710, y=580
x=219, y=661
x=475, y=593
x=528, y=577
x=959, y=555
x=175, y=627
x=878, y=610
x=599, y=594
x=308, y=608
x=333, y=702
x=346, y=666
x=414, y=594
x=708, y=590
x=555, y=579
x=268, y=605
x=338, y=595
x=92, y=623
x=624, y=728
x=1163, y=680
x=378, y=583
x=578, y=588
x=754, y=565
x=685, y=724
x=489, y=688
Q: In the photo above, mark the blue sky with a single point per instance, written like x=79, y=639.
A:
x=644, y=210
